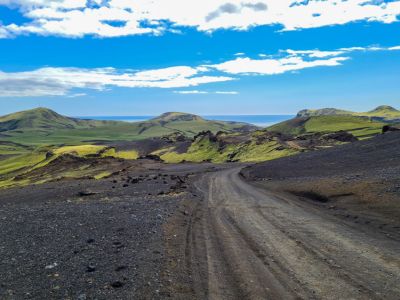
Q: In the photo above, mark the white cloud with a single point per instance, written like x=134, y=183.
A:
x=291, y=60
x=227, y=92
x=315, y=53
x=76, y=95
x=77, y=18
x=239, y=54
x=273, y=66
x=186, y=92
x=59, y=81
x=190, y=92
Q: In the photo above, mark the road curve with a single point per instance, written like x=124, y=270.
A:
x=246, y=243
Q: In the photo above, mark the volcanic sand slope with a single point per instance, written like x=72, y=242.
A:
x=360, y=177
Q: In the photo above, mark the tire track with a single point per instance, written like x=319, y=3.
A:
x=254, y=246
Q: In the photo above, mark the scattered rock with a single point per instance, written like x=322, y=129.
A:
x=120, y=268
x=86, y=193
x=52, y=266
x=388, y=128
x=82, y=297
x=117, y=284
x=90, y=268
x=151, y=157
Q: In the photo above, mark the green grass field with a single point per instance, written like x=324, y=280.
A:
x=361, y=127
x=39, y=127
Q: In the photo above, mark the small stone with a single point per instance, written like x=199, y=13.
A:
x=120, y=268
x=52, y=266
x=117, y=284
x=86, y=193
x=90, y=268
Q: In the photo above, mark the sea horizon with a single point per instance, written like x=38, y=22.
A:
x=258, y=120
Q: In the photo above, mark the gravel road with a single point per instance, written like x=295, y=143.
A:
x=246, y=243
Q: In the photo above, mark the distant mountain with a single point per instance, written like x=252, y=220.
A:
x=190, y=124
x=44, y=119
x=385, y=113
x=177, y=117
x=44, y=126
x=322, y=112
x=382, y=113
x=360, y=126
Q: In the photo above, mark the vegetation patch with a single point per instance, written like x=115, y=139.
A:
x=21, y=162
x=81, y=150
x=262, y=152
x=128, y=154
x=360, y=127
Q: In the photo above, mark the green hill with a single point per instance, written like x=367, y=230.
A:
x=43, y=126
x=190, y=125
x=177, y=117
x=383, y=113
x=322, y=112
x=45, y=120
x=361, y=127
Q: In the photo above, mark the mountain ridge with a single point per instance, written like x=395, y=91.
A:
x=45, y=126
x=384, y=113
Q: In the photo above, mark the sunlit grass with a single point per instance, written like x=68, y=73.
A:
x=81, y=150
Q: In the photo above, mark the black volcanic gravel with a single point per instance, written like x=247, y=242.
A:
x=374, y=155
x=83, y=240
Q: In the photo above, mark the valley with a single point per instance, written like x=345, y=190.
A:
x=209, y=210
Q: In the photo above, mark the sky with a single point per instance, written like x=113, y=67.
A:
x=209, y=57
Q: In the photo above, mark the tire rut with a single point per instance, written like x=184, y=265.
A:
x=243, y=244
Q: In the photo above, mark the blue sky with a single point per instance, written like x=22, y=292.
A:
x=141, y=57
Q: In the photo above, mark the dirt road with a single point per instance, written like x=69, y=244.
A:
x=245, y=243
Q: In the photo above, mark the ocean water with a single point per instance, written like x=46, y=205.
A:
x=258, y=120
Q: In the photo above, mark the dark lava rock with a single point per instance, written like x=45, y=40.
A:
x=117, y=284
x=49, y=154
x=90, y=268
x=86, y=193
x=120, y=268
x=341, y=136
x=388, y=128
x=151, y=157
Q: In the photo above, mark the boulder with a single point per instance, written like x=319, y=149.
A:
x=388, y=128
